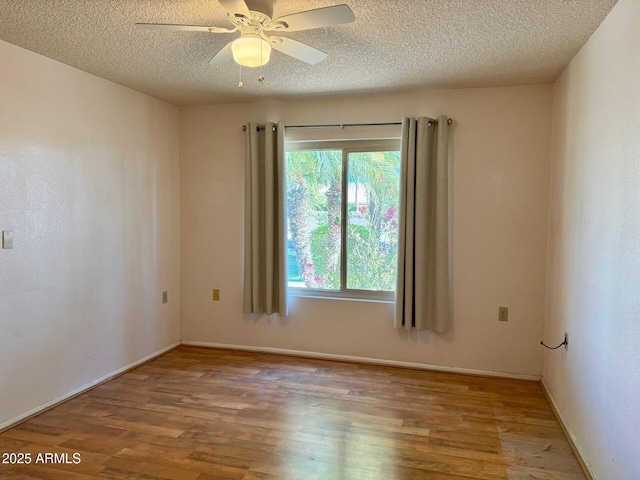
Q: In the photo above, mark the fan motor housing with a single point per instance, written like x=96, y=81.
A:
x=261, y=6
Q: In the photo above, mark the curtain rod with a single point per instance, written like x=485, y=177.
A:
x=345, y=125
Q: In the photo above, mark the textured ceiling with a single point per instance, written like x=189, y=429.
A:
x=393, y=45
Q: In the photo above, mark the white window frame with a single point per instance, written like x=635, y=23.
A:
x=347, y=147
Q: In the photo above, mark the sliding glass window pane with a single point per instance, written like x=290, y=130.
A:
x=372, y=221
x=314, y=196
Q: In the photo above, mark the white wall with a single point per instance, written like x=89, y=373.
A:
x=500, y=172
x=593, y=289
x=89, y=185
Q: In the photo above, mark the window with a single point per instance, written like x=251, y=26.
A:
x=342, y=203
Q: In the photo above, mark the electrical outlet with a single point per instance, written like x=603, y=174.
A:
x=503, y=314
x=165, y=297
x=566, y=341
x=216, y=294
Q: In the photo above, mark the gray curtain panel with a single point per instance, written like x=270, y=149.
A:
x=422, y=291
x=264, y=220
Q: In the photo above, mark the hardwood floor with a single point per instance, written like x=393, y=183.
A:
x=214, y=414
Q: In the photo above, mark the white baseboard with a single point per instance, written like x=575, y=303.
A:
x=34, y=411
x=586, y=466
x=373, y=361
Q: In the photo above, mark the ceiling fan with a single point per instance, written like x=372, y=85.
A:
x=253, y=19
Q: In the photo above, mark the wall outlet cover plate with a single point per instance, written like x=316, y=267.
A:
x=7, y=239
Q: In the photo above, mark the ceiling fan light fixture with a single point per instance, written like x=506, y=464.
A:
x=251, y=51
x=254, y=20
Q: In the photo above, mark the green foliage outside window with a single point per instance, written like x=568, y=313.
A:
x=314, y=195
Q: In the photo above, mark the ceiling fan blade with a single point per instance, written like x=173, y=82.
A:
x=296, y=49
x=224, y=55
x=188, y=28
x=318, y=18
x=235, y=7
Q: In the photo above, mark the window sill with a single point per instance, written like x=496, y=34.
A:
x=343, y=297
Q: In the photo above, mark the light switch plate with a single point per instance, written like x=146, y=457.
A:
x=7, y=239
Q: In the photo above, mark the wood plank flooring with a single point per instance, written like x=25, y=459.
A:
x=201, y=414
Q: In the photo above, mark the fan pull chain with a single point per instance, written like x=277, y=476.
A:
x=261, y=77
x=240, y=84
